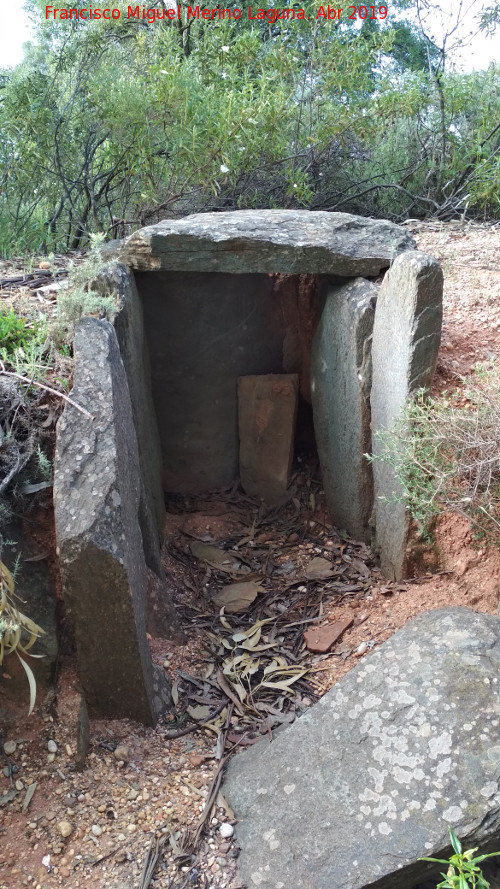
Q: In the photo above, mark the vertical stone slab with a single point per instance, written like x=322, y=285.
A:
x=96, y=500
x=340, y=391
x=267, y=411
x=128, y=322
x=406, y=337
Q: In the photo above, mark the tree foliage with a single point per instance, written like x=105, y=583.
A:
x=110, y=125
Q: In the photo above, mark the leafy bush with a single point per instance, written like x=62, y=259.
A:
x=446, y=455
x=80, y=296
x=463, y=871
x=16, y=333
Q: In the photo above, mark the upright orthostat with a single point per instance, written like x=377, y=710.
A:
x=406, y=337
x=96, y=500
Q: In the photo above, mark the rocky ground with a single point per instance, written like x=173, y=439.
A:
x=144, y=791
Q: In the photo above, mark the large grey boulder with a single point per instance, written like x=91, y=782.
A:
x=369, y=779
x=288, y=241
x=340, y=390
x=406, y=337
x=96, y=500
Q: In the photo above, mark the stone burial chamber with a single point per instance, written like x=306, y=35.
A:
x=233, y=331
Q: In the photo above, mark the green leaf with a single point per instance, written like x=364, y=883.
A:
x=437, y=860
x=455, y=842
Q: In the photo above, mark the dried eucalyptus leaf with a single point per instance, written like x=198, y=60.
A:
x=29, y=795
x=361, y=568
x=221, y=801
x=319, y=569
x=237, y=596
x=214, y=556
x=199, y=713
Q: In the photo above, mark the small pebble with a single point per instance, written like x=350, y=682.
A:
x=96, y=830
x=52, y=746
x=19, y=784
x=362, y=648
x=226, y=830
x=9, y=747
x=64, y=828
x=121, y=753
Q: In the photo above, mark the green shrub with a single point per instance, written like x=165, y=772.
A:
x=446, y=455
x=16, y=333
x=80, y=297
x=463, y=871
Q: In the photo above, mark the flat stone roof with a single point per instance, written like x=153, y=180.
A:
x=268, y=241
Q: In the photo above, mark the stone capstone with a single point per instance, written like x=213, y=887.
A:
x=406, y=337
x=341, y=378
x=287, y=241
x=369, y=779
x=96, y=498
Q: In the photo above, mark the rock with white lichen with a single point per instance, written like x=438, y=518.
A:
x=370, y=778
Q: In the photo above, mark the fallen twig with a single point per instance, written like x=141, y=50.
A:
x=10, y=373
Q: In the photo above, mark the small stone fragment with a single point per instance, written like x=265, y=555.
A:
x=226, y=830
x=321, y=639
x=52, y=746
x=121, y=753
x=19, y=785
x=9, y=748
x=196, y=760
x=96, y=830
x=65, y=828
